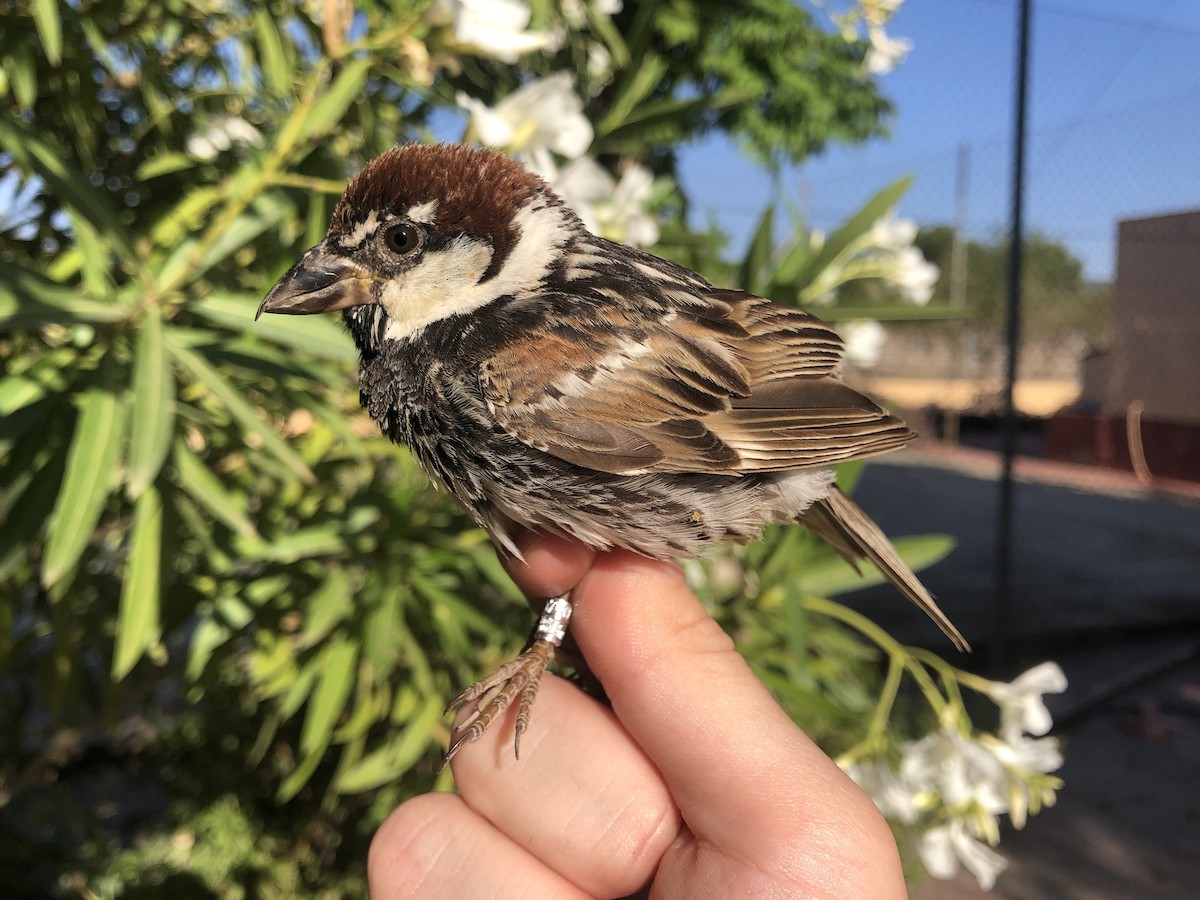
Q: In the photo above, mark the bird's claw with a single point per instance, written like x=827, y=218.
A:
x=494, y=694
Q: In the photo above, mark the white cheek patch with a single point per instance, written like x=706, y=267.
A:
x=447, y=282
x=360, y=233
x=444, y=283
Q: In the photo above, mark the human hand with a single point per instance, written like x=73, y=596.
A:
x=695, y=784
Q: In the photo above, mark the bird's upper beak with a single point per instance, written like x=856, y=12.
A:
x=320, y=281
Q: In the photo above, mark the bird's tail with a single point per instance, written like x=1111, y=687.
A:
x=841, y=522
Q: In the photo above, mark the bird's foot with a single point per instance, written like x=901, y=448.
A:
x=517, y=678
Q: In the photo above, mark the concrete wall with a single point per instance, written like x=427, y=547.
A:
x=1155, y=353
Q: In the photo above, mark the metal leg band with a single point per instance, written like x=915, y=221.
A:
x=552, y=626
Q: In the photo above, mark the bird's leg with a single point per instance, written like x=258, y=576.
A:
x=518, y=678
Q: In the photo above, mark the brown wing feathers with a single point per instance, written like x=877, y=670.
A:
x=740, y=385
x=841, y=522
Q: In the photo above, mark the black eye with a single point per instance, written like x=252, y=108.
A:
x=402, y=238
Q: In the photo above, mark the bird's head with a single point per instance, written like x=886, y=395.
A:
x=425, y=232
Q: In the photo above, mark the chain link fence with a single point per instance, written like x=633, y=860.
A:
x=1106, y=524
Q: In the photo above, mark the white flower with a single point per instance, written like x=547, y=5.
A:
x=1021, y=707
x=961, y=771
x=893, y=234
x=545, y=113
x=599, y=61
x=615, y=210
x=944, y=848
x=489, y=27
x=1026, y=755
x=220, y=135
x=894, y=796
x=864, y=340
x=914, y=275
x=625, y=218
x=885, y=51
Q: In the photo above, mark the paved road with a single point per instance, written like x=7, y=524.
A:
x=1087, y=561
x=1107, y=581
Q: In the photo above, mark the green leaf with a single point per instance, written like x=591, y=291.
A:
x=237, y=407
x=856, y=226
x=271, y=57
x=330, y=604
x=204, y=487
x=299, y=778
x=21, y=68
x=641, y=124
x=164, y=164
x=208, y=636
x=49, y=375
x=389, y=763
x=21, y=527
x=300, y=688
x=28, y=298
x=66, y=184
x=345, y=89
x=632, y=89
x=319, y=540
x=138, y=619
x=49, y=25
x=832, y=575
x=758, y=256
x=90, y=467
x=242, y=230
x=318, y=335
x=153, y=417
x=329, y=699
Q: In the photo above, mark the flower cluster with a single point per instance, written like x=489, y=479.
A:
x=885, y=253
x=955, y=783
x=543, y=123
x=867, y=20
x=220, y=135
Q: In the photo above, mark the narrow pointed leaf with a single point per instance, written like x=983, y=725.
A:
x=29, y=298
x=270, y=53
x=832, y=575
x=855, y=226
x=35, y=155
x=389, y=763
x=208, y=636
x=329, y=699
x=326, y=607
x=49, y=25
x=318, y=335
x=138, y=618
x=198, y=481
x=90, y=464
x=164, y=164
x=236, y=405
x=153, y=416
x=758, y=255
x=299, y=778
x=632, y=89
x=346, y=87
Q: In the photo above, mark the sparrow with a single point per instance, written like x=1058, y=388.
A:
x=556, y=381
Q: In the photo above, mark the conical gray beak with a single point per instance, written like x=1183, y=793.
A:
x=320, y=282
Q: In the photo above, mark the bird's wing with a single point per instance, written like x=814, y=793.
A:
x=729, y=384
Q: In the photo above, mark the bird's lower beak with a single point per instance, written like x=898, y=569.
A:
x=319, y=282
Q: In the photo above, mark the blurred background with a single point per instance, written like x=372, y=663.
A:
x=230, y=614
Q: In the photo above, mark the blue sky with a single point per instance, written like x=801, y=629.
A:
x=1115, y=125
